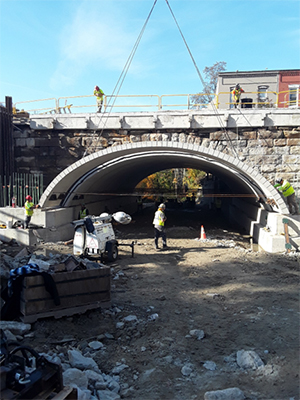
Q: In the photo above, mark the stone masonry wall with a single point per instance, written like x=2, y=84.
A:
x=273, y=152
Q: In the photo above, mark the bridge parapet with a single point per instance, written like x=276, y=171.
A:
x=169, y=120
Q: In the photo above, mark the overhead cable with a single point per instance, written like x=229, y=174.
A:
x=123, y=75
x=202, y=81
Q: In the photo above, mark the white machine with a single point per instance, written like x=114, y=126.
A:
x=94, y=236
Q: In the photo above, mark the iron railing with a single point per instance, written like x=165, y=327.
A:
x=15, y=188
x=71, y=104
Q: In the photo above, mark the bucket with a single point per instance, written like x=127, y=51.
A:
x=9, y=224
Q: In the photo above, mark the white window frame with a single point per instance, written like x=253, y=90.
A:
x=262, y=93
x=294, y=89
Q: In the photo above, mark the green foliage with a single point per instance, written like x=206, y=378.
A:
x=164, y=182
x=193, y=178
x=211, y=80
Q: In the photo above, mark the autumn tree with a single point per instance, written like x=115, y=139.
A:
x=210, y=83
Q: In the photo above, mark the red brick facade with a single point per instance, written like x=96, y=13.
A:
x=286, y=79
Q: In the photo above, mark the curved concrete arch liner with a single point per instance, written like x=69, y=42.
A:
x=119, y=169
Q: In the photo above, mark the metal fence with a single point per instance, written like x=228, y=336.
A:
x=15, y=188
x=123, y=103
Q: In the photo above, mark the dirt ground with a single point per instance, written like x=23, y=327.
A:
x=241, y=298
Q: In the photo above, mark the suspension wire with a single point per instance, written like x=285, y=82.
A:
x=122, y=76
x=203, y=83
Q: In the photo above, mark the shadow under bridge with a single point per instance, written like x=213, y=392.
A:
x=111, y=175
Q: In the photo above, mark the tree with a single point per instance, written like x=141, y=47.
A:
x=210, y=83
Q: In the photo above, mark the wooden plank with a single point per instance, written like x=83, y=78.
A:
x=68, y=393
x=65, y=312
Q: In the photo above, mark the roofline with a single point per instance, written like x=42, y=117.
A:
x=266, y=71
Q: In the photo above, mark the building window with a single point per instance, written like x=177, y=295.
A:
x=262, y=93
x=294, y=95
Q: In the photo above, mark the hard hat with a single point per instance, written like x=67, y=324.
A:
x=162, y=205
x=278, y=180
x=122, y=217
x=96, y=87
x=237, y=85
x=28, y=197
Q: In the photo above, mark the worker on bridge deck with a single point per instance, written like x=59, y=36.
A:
x=288, y=192
x=99, y=95
x=236, y=94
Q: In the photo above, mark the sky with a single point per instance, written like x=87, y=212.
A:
x=63, y=48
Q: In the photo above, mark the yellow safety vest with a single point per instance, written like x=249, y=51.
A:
x=286, y=188
x=28, y=209
x=99, y=93
x=159, y=218
x=82, y=213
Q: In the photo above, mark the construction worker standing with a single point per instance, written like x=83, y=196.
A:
x=236, y=94
x=159, y=226
x=84, y=212
x=29, y=207
x=288, y=192
x=99, y=95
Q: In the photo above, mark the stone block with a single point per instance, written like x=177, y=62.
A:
x=250, y=135
x=294, y=133
x=266, y=133
x=280, y=142
x=293, y=142
x=294, y=150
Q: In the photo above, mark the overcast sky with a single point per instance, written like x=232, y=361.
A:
x=58, y=48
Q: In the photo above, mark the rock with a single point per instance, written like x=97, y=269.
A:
x=83, y=394
x=10, y=336
x=17, y=328
x=23, y=253
x=119, y=368
x=114, y=386
x=94, y=377
x=226, y=394
x=197, y=333
x=4, y=272
x=95, y=345
x=153, y=317
x=210, y=365
x=107, y=395
x=130, y=318
x=249, y=360
x=74, y=377
x=187, y=369
x=128, y=392
x=77, y=360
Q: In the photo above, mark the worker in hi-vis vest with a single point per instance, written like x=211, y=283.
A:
x=236, y=94
x=29, y=207
x=84, y=212
x=159, y=226
x=99, y=95
x=288, y=192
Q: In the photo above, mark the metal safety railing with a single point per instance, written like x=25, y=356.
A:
x=15, y=188
x=221, y=100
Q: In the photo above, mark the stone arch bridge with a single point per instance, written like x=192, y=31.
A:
x=244, y=149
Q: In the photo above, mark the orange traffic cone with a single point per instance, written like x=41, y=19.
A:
x=203, y=234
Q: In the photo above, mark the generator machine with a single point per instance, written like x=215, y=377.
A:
x=95, y=237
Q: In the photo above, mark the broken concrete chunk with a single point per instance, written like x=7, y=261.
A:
x=249, y=360
x=225, y=394
x=17, y=328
